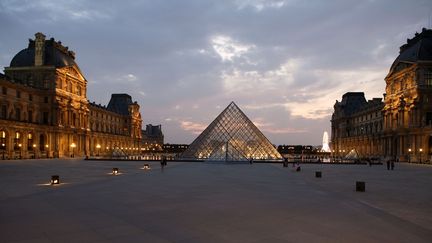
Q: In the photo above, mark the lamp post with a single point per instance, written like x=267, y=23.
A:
x=47, y=153
x=73, y=145
x=421, y=151
x=34, y=150
x=3, y=150
x=409, y=155
x=20, y=145
x=98, y=148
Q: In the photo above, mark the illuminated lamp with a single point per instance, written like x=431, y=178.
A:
x=146, y=167
x=115, y=171
x=55, y=179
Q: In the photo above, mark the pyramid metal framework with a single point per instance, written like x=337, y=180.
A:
x=231, y=137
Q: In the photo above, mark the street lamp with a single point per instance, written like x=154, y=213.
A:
x=47, y=146
x=409, y=155
x=3, y=150
x=34, y=151
x=98, y=148
x=73, y=145
x=420, y=150
x=20, y=145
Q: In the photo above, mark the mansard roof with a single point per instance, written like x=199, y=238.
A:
x=55, y=54
x=119, y=103
x=417, y=49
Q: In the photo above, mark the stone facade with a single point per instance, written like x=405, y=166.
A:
x=402, y=125
x=357, y=125
x=45, y=111
x=153, y=139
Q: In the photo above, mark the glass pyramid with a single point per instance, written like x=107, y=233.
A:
x=231, y=137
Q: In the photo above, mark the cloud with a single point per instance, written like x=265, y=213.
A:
x=270, y=127
x=142, y=93
x=195, y=128
x=130, y=78
x=284, y=61
x=256, y=81
x=228, y=49
x=316, y=101
x=260, y=5
x=54, y=10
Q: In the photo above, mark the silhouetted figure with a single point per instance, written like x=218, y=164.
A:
x=297, y=167
x=392, y=165
x=388, y=165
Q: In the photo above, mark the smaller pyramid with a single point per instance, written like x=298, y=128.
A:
x=231, y=137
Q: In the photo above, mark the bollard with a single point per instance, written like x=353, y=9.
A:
x=318, y=174
x=285, y=164
x=360, y=186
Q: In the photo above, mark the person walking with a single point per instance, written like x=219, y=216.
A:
x=392, y=165
x=388, y=165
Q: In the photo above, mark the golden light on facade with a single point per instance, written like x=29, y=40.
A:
x=17, y=135
x=409, y=150
x=420, y=150
x=98, y=146
x=73, y=145
x=20, y=145
x=34, y=145
x=3, y=134
x=46, y=145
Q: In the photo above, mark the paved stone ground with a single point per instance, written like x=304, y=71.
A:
x=203, y=202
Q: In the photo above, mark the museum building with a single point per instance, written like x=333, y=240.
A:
x=44, y=110
x=400, y=126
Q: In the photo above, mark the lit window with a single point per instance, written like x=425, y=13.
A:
x=428, y=77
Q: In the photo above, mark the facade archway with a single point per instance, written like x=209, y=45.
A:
x=30, y=142
x=42, y=142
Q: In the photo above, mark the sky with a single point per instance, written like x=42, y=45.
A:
x=284, y=63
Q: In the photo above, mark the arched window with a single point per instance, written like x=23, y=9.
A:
x=17, y=141
x=42, y=142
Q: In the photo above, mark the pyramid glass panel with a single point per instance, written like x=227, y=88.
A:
x=231, y=137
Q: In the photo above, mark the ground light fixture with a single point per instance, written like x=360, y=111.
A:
x=55, y=179
x=115, y=171
x=146, y=167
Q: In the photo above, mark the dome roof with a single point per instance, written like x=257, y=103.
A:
x=416, y=49
x=54, y=55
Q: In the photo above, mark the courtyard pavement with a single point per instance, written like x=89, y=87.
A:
x=212, y=202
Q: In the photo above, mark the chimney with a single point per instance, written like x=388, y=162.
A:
x=39, y=49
